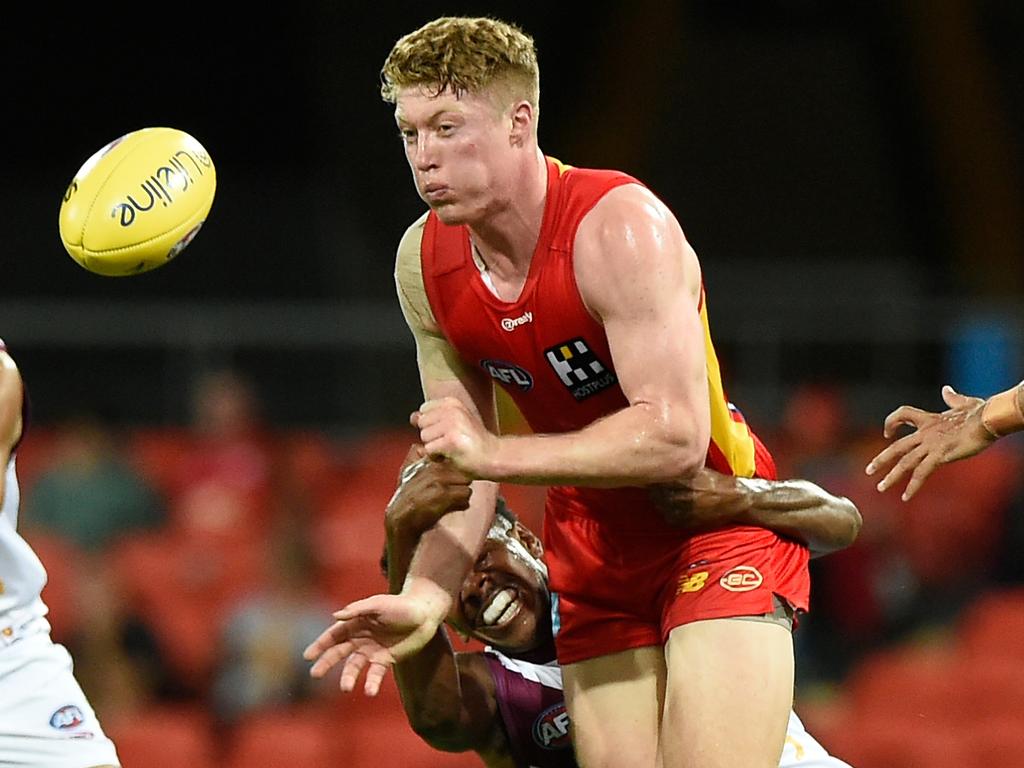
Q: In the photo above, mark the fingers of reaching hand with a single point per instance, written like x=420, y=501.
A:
x=910, y=460
x=920, y=474
x=331, y=636
x=373, y=661
x=375, y=675
x=905, y=414
x=951, y=397
x=893, y=452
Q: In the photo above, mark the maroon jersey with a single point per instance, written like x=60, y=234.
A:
x=532, y=708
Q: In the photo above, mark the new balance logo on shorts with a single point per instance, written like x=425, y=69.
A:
x=579, y=369
x=692, y=582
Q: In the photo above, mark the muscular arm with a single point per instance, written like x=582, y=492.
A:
x=447, y=551
x=641, y=280
x=449, y=698
x=798, y=509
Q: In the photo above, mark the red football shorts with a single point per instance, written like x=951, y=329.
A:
x=617, y=586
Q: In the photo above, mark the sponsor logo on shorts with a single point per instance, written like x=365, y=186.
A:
x=68, y=716
x=551, y=728
x=692, y=582
x=742, y=578
x=508, y=373
x=511, y=323
x=579, y=369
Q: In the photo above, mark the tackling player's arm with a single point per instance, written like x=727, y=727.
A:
x=449, y=697
x=640, y=278
x=10, y=412
x=798, y=509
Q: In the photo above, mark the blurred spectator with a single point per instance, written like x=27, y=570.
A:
x=227, y=482
x=263, y=636
x=89, y=493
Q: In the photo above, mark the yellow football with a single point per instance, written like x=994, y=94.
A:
x=136, y=203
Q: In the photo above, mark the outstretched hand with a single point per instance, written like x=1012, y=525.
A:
x=371, y=636
x=938, y=438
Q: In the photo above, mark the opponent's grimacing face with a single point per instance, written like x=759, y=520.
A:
x=459, y=151
x=504, y=600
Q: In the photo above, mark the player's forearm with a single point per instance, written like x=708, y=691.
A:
x=803, y=511
x=638, y=445
x=428, y=683
x=447, y=551
x=400, y=548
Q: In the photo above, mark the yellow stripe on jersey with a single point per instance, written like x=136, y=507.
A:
x=731, y=437
x=562, y=167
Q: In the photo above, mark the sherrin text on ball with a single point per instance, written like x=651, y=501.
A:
x=137, y=202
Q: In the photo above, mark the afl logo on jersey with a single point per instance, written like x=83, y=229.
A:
x=509, y=374
x=551, y=728
x=68, y=716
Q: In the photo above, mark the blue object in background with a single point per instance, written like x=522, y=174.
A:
x=983, y=356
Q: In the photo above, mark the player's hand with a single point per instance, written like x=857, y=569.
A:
x=703, y=501
x=938, y=438
x=372, y=635
x=448, y=429
x=428, y=490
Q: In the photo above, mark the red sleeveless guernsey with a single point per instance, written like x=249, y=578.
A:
x=552, y=357
x=545, y=349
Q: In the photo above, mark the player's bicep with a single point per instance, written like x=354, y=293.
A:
x=641, y=278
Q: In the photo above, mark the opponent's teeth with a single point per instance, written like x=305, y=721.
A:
x=499, y=603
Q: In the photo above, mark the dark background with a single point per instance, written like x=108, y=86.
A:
x=849, y=173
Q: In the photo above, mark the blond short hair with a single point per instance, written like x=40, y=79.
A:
x=464, y=54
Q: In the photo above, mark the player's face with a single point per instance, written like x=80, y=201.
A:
x=504, y=599
x=459, y=151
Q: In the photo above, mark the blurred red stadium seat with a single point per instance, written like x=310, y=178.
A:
x=907, y=682
x=387, y=741
x=183, y=588
x=35, y=454
x=993, y=626
x=64, y=562
x=164, y=737
x=997, y=742
x=879, y=740
x=285, y=738
x=348, y=540
x=158, y=453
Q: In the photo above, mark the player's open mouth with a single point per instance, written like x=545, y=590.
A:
x=503, y=606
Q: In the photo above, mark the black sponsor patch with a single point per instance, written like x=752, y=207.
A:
x=579, y=369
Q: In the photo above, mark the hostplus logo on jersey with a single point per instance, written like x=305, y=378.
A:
x=579, y=369
x=509, y=374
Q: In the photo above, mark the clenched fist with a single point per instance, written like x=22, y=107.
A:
x=449, y=429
